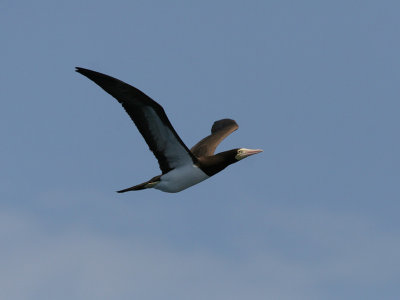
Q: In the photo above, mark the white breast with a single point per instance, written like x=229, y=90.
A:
x=181, y=178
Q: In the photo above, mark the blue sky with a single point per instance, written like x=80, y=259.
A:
x=313, y=83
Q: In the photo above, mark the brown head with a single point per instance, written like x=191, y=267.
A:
x=211, y=165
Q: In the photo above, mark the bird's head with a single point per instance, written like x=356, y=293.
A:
x=243, y=153
x=216, y=163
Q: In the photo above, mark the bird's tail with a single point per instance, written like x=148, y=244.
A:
x=145, y=185
x=138, y=187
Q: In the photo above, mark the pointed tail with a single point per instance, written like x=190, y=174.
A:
x=138, y=187
x=145, y=185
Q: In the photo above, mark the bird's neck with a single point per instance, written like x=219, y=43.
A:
x=211, y=165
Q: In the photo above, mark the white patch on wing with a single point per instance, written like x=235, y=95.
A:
x=167, y=142
x=181, y=178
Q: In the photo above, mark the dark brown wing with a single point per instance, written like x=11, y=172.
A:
x=219, y=131
x=149, y=117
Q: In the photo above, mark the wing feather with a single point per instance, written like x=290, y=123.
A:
x=219, y=131
x=150, y=119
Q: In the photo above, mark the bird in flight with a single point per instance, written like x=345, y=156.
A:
x=180, y=167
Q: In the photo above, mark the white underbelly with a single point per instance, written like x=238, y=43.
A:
x=180, y=178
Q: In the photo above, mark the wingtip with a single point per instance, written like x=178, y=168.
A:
x=79, y=70
x=88, y=73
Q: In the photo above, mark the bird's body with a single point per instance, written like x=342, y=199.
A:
x=181, y=178
x=181, y=167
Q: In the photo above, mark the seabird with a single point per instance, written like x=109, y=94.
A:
x=180, y=167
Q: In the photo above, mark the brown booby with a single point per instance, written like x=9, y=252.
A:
x=180, y=167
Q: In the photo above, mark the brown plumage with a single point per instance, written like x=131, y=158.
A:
x=219, y=131
x=180, y=167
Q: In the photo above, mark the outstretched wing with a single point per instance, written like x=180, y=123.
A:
x=219, y=131
x=149, y=117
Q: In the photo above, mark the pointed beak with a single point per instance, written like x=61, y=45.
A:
x=252, y=152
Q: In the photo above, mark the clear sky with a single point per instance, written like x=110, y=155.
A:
x=313, y=83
